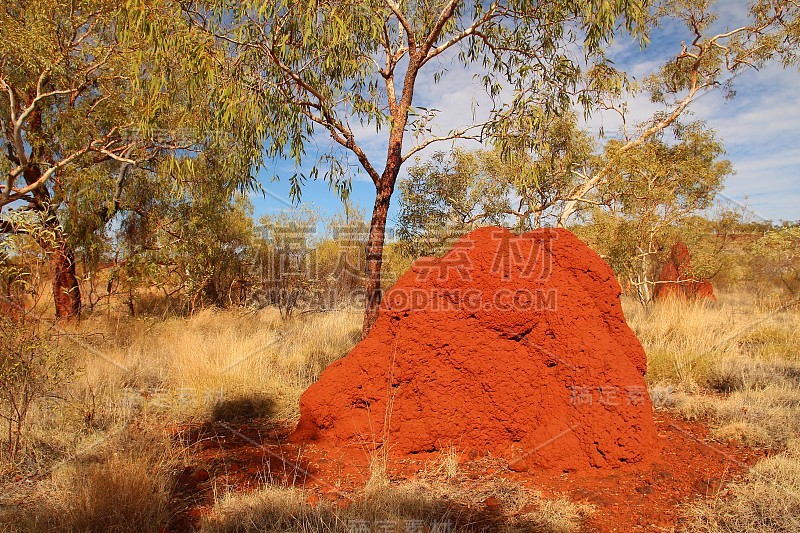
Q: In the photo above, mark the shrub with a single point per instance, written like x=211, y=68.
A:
x=31, y=369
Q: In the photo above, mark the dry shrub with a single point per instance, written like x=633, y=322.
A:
x=775, y=409
x=445, y=468
x=767, y=500
x=120, y=485
x=768, y=417
x=747, y=373
x=744, y=432
x=32, y=370
x=270, y=509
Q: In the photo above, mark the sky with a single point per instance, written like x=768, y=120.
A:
x=759, y=127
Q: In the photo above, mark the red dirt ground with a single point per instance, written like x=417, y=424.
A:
x=686, y=464
x=505, y=344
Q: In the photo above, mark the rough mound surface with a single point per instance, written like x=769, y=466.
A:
x=676, y=280
x=510, y=345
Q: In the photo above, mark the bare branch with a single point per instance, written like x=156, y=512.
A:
x=446, y=14
x=459, y=134
x=19, y=194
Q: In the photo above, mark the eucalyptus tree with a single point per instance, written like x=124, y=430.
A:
x=54, y=56
x=91, y=94
x=653, y=190
x=444, y=197
x=343, y=67
x=708, y=60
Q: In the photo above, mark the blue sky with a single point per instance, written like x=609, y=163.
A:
x=760, y=128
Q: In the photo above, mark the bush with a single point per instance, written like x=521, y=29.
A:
x=31, y=369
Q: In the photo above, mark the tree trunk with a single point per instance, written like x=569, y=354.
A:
x=377, y=235
x=384, y=187
x=66, y=291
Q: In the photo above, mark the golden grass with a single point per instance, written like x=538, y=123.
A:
x=121, y=484
x=221, y=365
x=185, y=366
x=745, y=351
x=734, y=364
x=440, y=495
x=687, y=342
x=767, y=501
x=404, y=506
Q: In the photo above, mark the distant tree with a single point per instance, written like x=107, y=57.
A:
x=651, y=190
x=446, y=196
x=285, y=262
x=523, y=188
x=776, y=260
x=195, y=243
x=543, y=167
x=338, y=66
x=340, y=258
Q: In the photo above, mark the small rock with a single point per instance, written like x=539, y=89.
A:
x=492, y=503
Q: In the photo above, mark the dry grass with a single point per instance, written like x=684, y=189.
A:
x=215, y=365
x=187, y=365
x=121, y=484
x=768, y=500
x=735, y=365
x=699, y=344
x=148, y=373
x=405, y=506
x=441, y=496
x=133, y=373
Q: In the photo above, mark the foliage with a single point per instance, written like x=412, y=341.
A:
x=196, y=247
x=451, y=193
x=652, y=190
x=94, y=93
x=776, y=259
x=333, y=67
x=704, y=61
x=22, y=266
x=314, y=65
x=445, y=197
x=31, y=369
x=285, y=258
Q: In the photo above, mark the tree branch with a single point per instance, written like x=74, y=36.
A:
x=460, y=134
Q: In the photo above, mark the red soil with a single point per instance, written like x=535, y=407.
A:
x=510, y=345
x=686, y=464
x=676, y=281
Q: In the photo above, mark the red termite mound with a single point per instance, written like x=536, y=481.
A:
x=676, y=281
x=510, y=345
